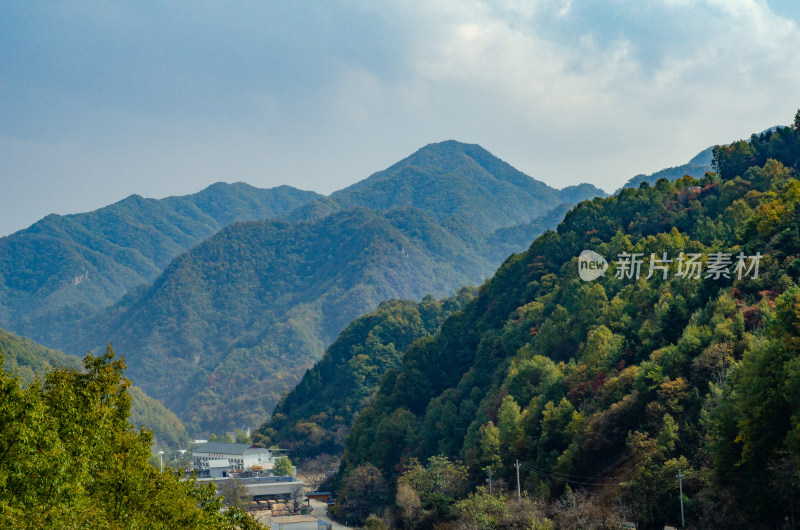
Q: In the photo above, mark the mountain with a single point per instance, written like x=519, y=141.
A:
x=29, y=360
x=579, y=193
x=695, y=168
x=453, y=180
x=314, y=418
x=456, y=180
x=614, y=385
x=505, y=241
x=233, y=323
x=66, y=267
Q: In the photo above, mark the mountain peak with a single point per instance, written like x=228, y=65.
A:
x=453, y=146
x=450, y=154
x=453, y=179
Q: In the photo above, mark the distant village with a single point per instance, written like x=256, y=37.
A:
x=243, y=474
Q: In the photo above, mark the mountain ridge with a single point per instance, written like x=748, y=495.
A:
x=695, y=168
x=64, y=267
x=283, y=289
x=433, y=178
x=612, y=385
x=315, y=416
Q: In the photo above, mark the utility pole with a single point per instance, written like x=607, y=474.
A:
x=519, y=491
x=679, y=476
x=489, y=480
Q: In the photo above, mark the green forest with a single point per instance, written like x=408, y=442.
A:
x=234, y=322
x=71, y=459
x=599, y=393
x=65, y=267
x=315, y=417
x=29, y=361
x=542, y=399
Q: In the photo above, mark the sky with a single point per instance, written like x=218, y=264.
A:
x=101, y=99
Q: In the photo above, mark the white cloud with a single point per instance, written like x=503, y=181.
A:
x=320, y=97
x=614, y=112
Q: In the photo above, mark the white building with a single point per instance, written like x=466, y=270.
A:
x=239, y=457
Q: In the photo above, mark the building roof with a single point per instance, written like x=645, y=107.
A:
x=225, y=449
x=287, y=519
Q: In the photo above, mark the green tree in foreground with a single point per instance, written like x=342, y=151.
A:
x=438, y=484
x=483, y=511
x=283, y=467
x=70, y=459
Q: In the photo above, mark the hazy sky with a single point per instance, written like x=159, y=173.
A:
x=99, y=100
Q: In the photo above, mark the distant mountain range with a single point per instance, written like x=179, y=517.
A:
x=66, y=267
x=232, y=323
x=695, y=168
x=316, y=415
x=218, y=317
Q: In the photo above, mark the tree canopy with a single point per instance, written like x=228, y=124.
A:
x=69, y=458
x=315, y=417
x=608, y=388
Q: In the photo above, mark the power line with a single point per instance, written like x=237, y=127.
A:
x=531, y=467
x=574, y=479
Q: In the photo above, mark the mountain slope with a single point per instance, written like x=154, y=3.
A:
x=234, y=322
x=315, y=417
x=29, y=360
x=453, y=180
x=617, y=384
x=65, y=267
x=696, y=168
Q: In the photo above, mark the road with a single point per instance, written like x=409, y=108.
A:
x=319, y=510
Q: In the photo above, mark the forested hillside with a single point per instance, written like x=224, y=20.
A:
x=233, y=323
x=236, y=321
x=65, y=267
x=314, y=418
x=696, y=167
x=606, y=389
x=71, y=459
x=28, y=360
x=453, y=181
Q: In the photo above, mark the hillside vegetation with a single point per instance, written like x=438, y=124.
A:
x=234, y=322
x=71, y=459
x=314, y=418
x=605, y=390
x=65, y=267
x=696, y=168
x=30, y=361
